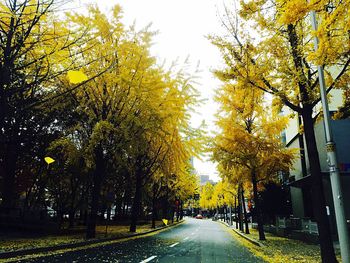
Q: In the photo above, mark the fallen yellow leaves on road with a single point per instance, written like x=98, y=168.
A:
x=8, y=243
x=47, y=241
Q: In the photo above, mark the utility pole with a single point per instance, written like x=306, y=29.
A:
x=332, y=162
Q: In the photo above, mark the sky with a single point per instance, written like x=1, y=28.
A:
x=182, y=27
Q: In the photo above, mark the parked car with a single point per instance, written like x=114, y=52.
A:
x=199, y=216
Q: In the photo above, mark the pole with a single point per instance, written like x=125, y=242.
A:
x=332, y=162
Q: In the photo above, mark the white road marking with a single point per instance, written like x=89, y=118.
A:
x=148, y=259
x=173, y=245
x=186, y=238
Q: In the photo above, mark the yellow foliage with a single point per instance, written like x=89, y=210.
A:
x=250, y=138
x=281, y=59
x=338, y=115
x=133, y=105
x=206, y=196
x=291, y=11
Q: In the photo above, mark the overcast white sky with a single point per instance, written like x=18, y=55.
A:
x=182, y=26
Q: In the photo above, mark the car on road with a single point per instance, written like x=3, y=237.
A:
x=199, y=216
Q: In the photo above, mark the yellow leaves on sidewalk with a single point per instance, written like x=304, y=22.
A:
x=76, y=76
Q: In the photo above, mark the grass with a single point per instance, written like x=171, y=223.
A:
x=10, y=242
x=279, y=249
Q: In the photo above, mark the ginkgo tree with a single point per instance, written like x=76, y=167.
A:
x=250, y=138
x=206, y=196
x=133, y=116
x=218, y=198
x=222, y=198
x=66, y=183
x=161, y=144
x=236, y=181
x=83, y=89
x=35, y=50
x=269, y=45
x=172, y=189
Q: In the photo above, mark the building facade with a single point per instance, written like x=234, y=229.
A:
x=299, y=176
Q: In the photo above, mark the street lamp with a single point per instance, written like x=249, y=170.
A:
x=332, y=162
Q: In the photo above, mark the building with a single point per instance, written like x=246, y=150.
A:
x=299, y=175
x=204, y=178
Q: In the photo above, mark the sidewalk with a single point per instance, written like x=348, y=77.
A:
x=10, y=249
x=278, y=249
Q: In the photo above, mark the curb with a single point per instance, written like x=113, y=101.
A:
x=251, y=240
x=25, y=252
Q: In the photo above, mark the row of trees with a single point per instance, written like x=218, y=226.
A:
x=84, y=90
x=249, y=148
x=280, y=60
x=231, y=202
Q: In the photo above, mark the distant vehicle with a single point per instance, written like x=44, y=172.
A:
x=199, y=216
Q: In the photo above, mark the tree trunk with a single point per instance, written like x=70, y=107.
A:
x=165, y=206
x=240, y=223
x=102, y=213
x=96, y=191
x=137, y=200
x=118, y=209
x=172, y=214
x=71, y=215
x=318, y=199
x=224, y=211
x=154, y=207
x=8, y=173
x=85, y=219
x=245, y=213
x=123, y=207
x=109, y=211
x=257, y=207
x=177, y=202
x=60, y=219
x=181, y=210
x=236, y=213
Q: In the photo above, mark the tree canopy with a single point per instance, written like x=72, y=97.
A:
x=83, y=89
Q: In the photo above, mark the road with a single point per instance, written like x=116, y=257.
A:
x=194, y=241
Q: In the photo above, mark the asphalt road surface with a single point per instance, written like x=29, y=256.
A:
x=194, y=241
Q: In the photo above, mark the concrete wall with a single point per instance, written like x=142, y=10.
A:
x=296, y=196
x=341, y=136
x=292, y=128
x=296, y=170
